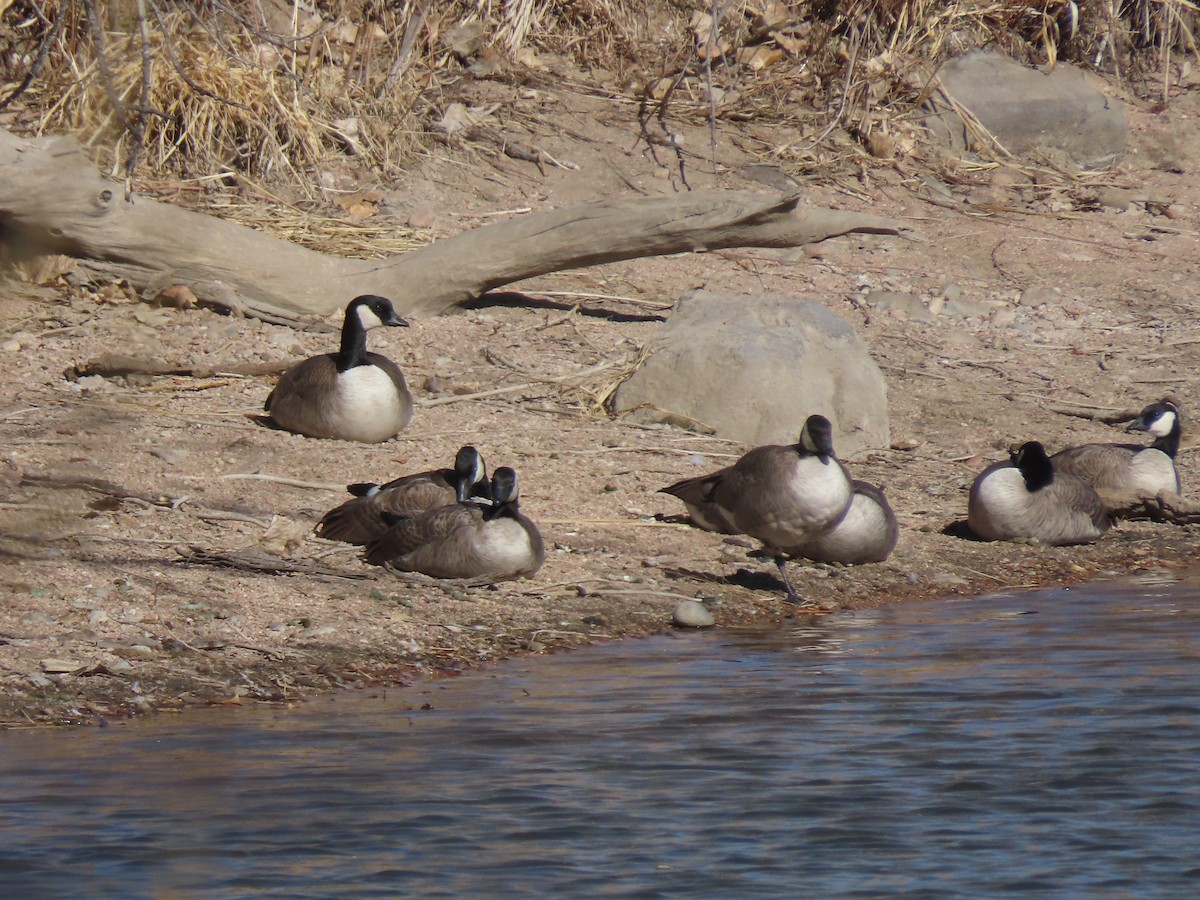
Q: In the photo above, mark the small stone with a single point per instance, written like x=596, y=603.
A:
x=170, y=455
x=967, y=307
x=948, y=579
x=93, y=383
x=952, y=291
x=1002, y=318
x=422, y=217
x=1038, y=296
x=898, y=301
x=60, y=666
x=10, y=346
x=134, y=651
x=692, y=614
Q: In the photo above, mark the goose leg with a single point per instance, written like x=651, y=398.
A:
x=792, y=596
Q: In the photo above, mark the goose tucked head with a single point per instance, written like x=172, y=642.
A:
x=469, y=471
x=373, y=311
x=1034, y=465
x=817, y=437
x=504, y=493
x=1158, y=419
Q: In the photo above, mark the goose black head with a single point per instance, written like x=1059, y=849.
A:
x=817, y=437
x=1158, y=419
x=1034, y=465
x=505, y=494
x=470, y=474
x=373, y=311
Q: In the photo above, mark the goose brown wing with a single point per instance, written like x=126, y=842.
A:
x=291, y=402
x=358, y=521
x=355, y=522
x=697, y=494
x=1097, y=464
x=434, y=527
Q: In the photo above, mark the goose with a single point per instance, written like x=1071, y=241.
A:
x=465, y=540
x=781, y=495
x=375, y=506
x=866, y=533
x=1131, y=468
x=352, y=395
x=1026, y=499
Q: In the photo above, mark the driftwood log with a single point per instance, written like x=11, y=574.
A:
x=53, y=200
x=1163, y=508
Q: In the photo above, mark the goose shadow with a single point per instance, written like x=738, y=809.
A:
x=960, y=529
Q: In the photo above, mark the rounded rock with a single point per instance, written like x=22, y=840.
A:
x=692, y=614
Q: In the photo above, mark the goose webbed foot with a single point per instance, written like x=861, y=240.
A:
x=791, y=596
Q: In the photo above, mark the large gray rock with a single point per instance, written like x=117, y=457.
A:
x=1027, y=109
x=754, y=368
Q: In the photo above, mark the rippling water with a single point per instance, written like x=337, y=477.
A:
x=1043, y=744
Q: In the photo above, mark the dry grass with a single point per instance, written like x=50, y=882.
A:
x=193, y=94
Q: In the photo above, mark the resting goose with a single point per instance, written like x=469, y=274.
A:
x=782, y=495
x=1131, y=468
x=1026, y=499
x=867, y=533
x=352, y=394
x=465, y=540
x=376, y=506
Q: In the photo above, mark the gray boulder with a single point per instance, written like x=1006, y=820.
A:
x=754, y=368
x=1028, y=109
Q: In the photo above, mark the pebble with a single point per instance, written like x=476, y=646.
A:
x=60, y=666
x=422, y=217
x=94, y=383
x=692, y=614
x=170, y=455
x=134, y=651
x=947, y=579
x=1002, y=318
x=10, y=346
x=898, y=301
x=1038, y=296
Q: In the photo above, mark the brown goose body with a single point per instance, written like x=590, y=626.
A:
x=1131, y=468
x=782, y=495
x=867, y=533
x=1025, y=499
x=376, y=507
x=350, y=395
x=465, y=540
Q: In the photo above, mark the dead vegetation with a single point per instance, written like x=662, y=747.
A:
x=207, y=95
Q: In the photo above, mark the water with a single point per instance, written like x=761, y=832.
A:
x=1041, y=744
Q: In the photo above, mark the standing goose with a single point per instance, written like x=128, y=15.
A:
x=352, y=394
x=1131, y=468
x=465, y=540
x=866, y=534
x=375, y=506
x=1026, y=499
x=783, y=496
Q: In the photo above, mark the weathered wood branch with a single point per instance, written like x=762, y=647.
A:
x=53, y=199
x=1163, y=508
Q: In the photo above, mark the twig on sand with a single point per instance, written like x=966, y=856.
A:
x=283, y=479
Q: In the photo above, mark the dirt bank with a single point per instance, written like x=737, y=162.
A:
x=133, y=509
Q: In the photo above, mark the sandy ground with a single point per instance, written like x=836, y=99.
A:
x=135, y=511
